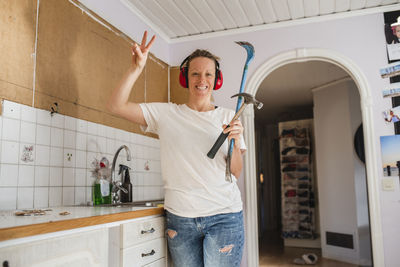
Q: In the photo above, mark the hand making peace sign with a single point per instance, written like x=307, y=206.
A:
x=140, y=52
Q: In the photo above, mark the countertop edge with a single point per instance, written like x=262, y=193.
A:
x=68, y=224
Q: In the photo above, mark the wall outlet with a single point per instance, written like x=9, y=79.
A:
x=388, y=184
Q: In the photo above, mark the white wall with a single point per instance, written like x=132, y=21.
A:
x=360, y=39
x=341, y=182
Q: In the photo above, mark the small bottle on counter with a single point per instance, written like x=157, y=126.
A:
x=126, y=197
x=102, y=185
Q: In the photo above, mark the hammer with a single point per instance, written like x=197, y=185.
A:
x=248, y=99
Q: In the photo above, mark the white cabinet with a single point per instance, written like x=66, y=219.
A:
x=88, y=248
x=143, y=243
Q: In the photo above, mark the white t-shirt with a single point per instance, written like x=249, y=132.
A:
x=194, y=184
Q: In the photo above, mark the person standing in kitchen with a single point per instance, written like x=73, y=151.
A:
x=203, y=210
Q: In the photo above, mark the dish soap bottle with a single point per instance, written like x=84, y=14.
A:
x=102, y=186
x=125, y=197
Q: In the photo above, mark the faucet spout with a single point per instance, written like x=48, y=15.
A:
x=128, y=157
x=116, y=186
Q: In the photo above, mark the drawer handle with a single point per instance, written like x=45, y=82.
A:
x=152, y=230
x=151, y=253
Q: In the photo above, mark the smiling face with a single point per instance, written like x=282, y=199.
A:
x=201, y=76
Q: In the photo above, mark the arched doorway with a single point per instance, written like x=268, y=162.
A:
x=346, y=64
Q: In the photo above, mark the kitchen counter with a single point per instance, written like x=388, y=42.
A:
x=12, y=226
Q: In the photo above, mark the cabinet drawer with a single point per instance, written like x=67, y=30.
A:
x=157, y=263
x=145, y=253
x=141, y=231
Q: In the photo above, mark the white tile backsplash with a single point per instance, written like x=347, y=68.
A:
x=57, y=120
x=57, y=169
x=1, y=127
x=26, y=175
x=25, y=198
x=56, y=176
x=42, y=135
x=68, y=177
x=42, y=176
x=56, y=157
x=69, y=157
x=8, y=198
x=92, y=128
x=43, y=117
x=28, y=114
x=11, y=129
x=80, y=177
x=81, y=141
x=8, y=175
x=57, y=137
x=101, y=130
x=9, y=152
x=69, y=139
x=28, y=132
x=70, y=123
x=11, y=110
x=81, y=126
x=68, y=196
x=80, y=195
x=80, y=159
x=55, y=196
x=110, y=132
x=42, y=155
x=41, y=197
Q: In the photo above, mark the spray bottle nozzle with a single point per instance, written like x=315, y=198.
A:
x=123, y=168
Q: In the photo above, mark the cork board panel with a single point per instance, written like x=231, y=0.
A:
x=156, y=81
x=179, y=95
x=17, y=46
x=79, y=63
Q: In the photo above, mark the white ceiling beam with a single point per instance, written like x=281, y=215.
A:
x=326, y=7
x=165, y=17
x=236, y=12
x=250, y=9
x=373, y=3
x=290, y=23
x=266, y=10
x=207, y=14
x=357, y=4
x=179, y=16
x=147, y=16
x=193, y=15
x=388, y=2
x=311, y=8
x=222, y=13
x=281, y=9
x=342, y=5
x=296, y=9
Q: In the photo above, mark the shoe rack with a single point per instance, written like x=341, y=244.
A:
x=298, y=196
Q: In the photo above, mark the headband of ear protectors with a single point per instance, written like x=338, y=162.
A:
x=183, y=75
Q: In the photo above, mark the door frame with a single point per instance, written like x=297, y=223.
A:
x=250, y=173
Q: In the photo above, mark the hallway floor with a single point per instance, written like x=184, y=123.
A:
x=274, y=254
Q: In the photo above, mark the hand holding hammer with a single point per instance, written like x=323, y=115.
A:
x=248, y=99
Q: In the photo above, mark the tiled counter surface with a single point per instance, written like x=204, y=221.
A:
x=12, y=227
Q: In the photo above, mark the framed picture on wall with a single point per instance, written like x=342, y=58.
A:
x=390, y=148
x=392, y=36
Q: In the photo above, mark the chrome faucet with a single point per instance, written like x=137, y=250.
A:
x=117, y=185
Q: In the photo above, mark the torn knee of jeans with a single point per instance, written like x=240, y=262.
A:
x=171, y=233
x=226, y=249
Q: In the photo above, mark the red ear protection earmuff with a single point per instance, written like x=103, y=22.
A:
x=183, y=75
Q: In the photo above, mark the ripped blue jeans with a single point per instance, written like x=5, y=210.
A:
x=212, y=241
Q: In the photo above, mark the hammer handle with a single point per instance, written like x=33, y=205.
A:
x=221, y=139
x=223, y=136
